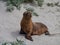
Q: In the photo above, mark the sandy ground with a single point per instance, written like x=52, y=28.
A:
x=9, y=24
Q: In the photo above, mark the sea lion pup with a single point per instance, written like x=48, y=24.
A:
x=29, y=28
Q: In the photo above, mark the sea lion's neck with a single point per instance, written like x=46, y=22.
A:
x=27, y=19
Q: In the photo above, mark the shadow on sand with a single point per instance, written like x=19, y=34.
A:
x=16, y=34
x=55, y=35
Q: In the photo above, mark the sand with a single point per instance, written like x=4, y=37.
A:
x=10, y=24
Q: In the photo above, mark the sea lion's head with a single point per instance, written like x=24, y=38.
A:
x=27, y=14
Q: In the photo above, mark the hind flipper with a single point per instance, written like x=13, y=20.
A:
x=47, y=33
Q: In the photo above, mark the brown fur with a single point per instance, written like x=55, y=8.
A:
x=29, y=28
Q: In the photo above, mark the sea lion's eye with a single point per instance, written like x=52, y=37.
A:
x=27, y=13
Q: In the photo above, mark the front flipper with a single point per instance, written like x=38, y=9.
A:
x=22, y=32
x=29, y=38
